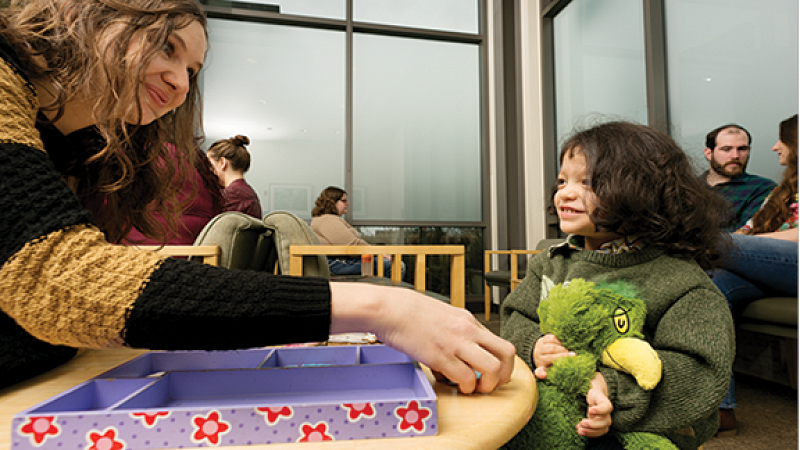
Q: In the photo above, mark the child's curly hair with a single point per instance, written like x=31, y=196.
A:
x=645, y=185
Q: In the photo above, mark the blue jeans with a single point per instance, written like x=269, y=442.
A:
x=352, y=266
x=756, y=267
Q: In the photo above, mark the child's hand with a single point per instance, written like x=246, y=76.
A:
x=547, y=349
x=598, y=415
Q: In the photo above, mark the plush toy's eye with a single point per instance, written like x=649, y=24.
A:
x=621, y=321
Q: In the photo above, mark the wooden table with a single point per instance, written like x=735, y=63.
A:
x=478, y=421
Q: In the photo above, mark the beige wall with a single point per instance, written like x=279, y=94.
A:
x=532, y=111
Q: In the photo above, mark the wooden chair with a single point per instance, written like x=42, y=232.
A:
x=501, y=278
x=284, y=243
x=456, y=253
x=507, y=278
x=300, y=253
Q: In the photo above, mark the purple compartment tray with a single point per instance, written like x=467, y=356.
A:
x=258, y=396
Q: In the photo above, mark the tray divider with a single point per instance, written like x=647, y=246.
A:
x=266, y=359
x=132, y=395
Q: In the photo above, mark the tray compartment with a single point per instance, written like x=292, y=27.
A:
x=381, y=354
x=156, y=363
x=296, y=386
x=92, y=395
x=311, y=357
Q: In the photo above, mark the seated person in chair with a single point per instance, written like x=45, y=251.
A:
x=332, y=229
x=764, y=262
x=230, y=160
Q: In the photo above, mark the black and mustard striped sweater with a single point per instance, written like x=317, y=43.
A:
x=63, y=287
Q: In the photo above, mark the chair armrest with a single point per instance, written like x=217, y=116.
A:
x=210, y=253
x=487, y=258
x=456, y=253
x=513, y=262
x=515, y=254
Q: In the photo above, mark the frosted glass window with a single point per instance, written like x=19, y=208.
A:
x=416, y=130
x=284, y=88
x=445, y=15
x=329, y=9
x=599, y=63
x=732, y=61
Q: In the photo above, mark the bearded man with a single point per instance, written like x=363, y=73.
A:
x=728, y=151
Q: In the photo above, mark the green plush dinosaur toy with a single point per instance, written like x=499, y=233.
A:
x=600, y=323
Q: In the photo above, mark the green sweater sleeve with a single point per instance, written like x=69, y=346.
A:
x=519, y=318
x=694, y=339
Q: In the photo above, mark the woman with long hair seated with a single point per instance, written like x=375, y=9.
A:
x=763, y=261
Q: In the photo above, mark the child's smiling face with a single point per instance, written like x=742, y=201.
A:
x=575, y=201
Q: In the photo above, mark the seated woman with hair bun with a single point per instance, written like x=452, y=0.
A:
x=231, y=160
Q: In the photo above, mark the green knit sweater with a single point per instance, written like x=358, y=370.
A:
x=688, y=324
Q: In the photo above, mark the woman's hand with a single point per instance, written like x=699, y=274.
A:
x=547, y=349
x=448, y=340
x=598, y=414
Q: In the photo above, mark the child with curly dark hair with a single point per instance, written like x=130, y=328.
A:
x=634, y=211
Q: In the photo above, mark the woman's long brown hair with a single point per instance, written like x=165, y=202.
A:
x=78, y=49
x=776, y=210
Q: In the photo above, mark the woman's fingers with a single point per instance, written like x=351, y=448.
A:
x=447, y=339
x=491, y=359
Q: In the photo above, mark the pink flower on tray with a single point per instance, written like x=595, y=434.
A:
x=209, y=428
x=108, y=440
x=149, y=419
x=274, y=413
x=357, y=410
x=412, y=417
x=314, y=433
x=38, y=428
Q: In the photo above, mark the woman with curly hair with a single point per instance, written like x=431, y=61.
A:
x=90, y=93
x=763, y=261
x=332, y=229
x=634, y=211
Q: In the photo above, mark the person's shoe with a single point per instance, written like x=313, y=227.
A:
x=727, y=423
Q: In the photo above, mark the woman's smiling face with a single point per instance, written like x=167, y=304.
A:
x=783, y=152
x=575, y=201
x=167, y=78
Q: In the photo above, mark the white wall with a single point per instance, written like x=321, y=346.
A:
x=535, y=189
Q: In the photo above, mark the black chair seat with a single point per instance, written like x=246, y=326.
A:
x=498, y=278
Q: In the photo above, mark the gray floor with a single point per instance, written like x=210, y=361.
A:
x=767, y=412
